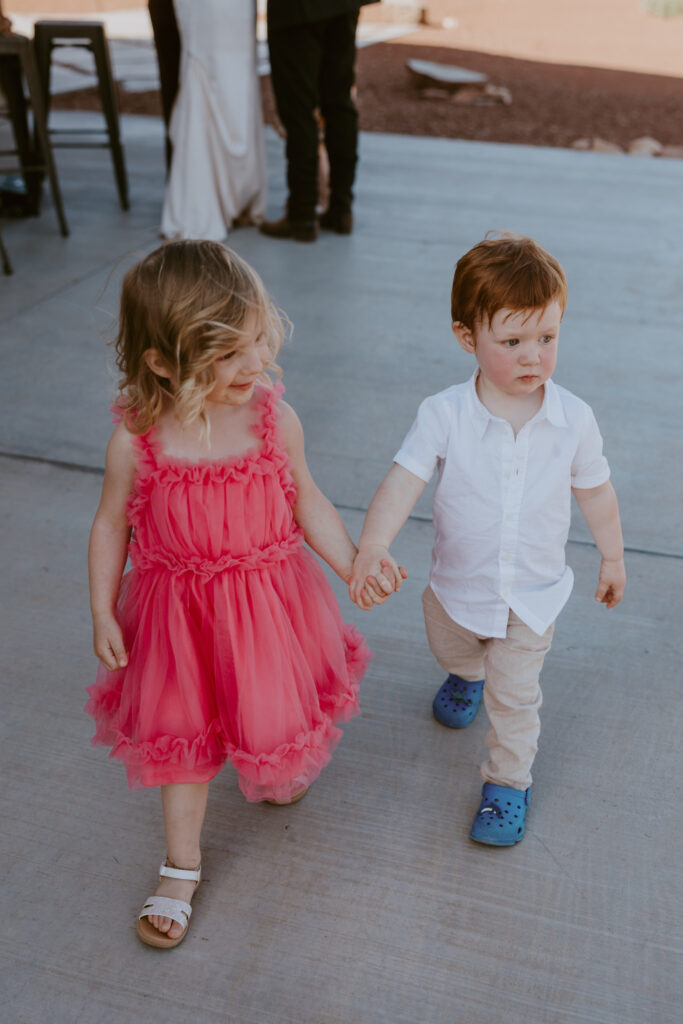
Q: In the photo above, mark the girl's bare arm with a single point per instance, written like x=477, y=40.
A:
x=108, y=549
x=322, y=525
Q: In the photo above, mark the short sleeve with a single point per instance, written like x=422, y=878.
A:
x=427, y=440
x=589, y=466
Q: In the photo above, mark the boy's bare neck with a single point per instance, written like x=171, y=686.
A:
x=516, y=410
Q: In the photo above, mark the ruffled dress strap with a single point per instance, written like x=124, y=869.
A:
x=146, y=450
x=146, y=445
x=274, y=450
x=267, y=427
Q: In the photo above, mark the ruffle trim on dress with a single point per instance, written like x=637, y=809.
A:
x=275, y=775
x=205, y=751
x=141, y=442
x=236, y=467
x=288, y=769
x=267, y=427
x=257, y=558
x=240, y=469
x=171, y=759
x=154, y=468
x=342, y=706
x=269, y=430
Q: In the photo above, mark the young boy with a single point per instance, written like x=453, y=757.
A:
x=510, y=447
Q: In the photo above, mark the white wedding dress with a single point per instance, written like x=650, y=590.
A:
x=218, y=172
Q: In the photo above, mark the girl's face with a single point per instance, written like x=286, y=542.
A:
x=238, y=369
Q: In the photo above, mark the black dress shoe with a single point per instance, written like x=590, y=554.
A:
x=339, y=221
x=299, y=230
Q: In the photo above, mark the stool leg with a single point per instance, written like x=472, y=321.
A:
x=42, y=50
x=35, y=93
x=108, y=96
x=42, y=47
x=6, y=265
x=12, y=86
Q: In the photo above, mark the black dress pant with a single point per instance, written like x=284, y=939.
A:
x=312, y=66
x=167, y=44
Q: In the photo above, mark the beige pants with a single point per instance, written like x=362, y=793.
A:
x=511, y=666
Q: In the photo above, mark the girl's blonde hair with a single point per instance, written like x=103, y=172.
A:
x=189, y=301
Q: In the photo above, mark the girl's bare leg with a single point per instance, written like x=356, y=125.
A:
x=184, y=809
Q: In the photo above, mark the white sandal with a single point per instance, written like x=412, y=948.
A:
x=287, y=803
x=164, y=906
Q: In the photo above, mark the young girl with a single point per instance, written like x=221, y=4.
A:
x=224, y=641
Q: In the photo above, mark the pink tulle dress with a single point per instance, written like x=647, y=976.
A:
x=237, y=649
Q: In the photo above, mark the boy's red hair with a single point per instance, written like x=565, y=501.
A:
x=505, y=271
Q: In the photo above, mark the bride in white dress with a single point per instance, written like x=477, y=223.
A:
x=218, y=171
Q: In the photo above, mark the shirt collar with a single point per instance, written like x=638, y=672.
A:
x=551, y=408
x=479, y=414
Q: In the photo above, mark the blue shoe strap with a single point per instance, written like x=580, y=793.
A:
x=453, y=678
x=490, y=791
x=471, y=688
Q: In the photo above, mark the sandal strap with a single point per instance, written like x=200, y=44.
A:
x=164, y=906
x=183, y=873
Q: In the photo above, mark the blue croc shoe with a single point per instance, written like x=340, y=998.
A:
x=501, y=815
x=457, y=702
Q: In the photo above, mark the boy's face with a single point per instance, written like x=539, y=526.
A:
x=517, y=351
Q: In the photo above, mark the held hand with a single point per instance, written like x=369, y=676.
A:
x=364, y=600
x=375, y=576
x=108, y=643
x=611, y=582
x=373, y=593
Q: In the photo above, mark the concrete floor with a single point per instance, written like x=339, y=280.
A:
x=366, y=903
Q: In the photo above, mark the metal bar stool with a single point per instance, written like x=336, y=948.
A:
x=17, y=62
x=6, y=265
x=90, y=35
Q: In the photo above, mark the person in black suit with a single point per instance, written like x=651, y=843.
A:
x=167, y=44
x=312, y=46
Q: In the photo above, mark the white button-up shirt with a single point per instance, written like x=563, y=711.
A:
x=502, y=506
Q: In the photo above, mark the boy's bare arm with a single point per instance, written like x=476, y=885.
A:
x=600, y=509
x=392, y=504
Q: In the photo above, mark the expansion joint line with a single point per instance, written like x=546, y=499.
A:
x=77, y=467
